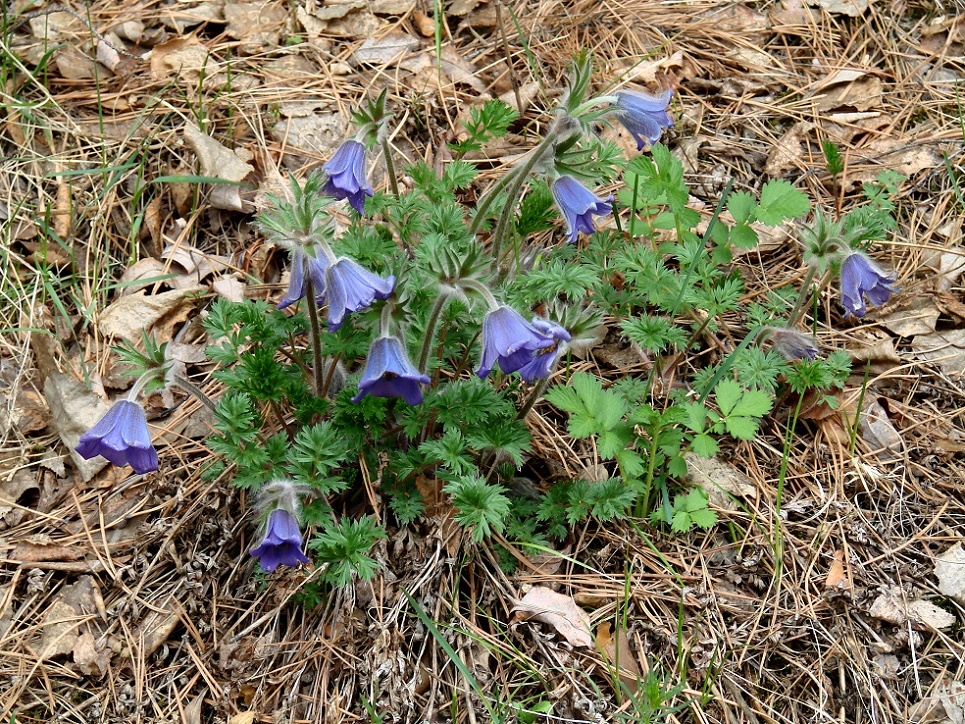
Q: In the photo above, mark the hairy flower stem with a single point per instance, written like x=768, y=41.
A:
x=390, y=166
x=482, y=290
x=548, y=144
x=191, y=388
x=805, y=293
x=430, y=331
x=489, y=197
x=537, y=392
x=142, y=381
x=317, y=368
x=515, y=178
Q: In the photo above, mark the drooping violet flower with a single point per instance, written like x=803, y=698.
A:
x=281, y=544
x=861, y=277
x=793, y=345
x=122, y=437
x=351, y=287
x=316, y=272
x=510, y=340
x=578, y=205
x=544, y=359
x=389, y=373
x=644, y=115
x=346, y=175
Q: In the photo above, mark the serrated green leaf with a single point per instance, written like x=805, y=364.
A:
x=704, y=518
x=743, y=236
x=780, y=201
x=728, y=394
x=743, y=428
x=681, y=522
x=741, y=206
x=704, y=445
x=612, y=441
x=694, y=500
x=753, y=403
x=631, y=464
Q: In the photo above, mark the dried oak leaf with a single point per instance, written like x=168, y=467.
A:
x=559, y=611
x=216, y=161
x=950, y=572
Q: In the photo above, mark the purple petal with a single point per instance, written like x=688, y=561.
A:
x=510, y=341
x=578, y=205
x=122, y=437
x=352, y=288
x=389, y=373
x=346, y=175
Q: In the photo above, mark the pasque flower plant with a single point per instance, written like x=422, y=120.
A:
x=422, y=273
x=317, y=265
x=346, y=175
x=862, y=277
x=281, y=538
x=122, y=437
x=351, y=288
x=389, y=373
x=644, y=116
x=281, y=542
x=578, y=205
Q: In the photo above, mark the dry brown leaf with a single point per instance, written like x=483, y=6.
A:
x=392, y=47
x=557, y=610
x=230, y=287
x=108, y=56
x=851, y=8
x=196, y=266
x=787, y=153
x=391, y=7
x=929, y=616
x=879, y=432
x=919, y=316
x=616, y=649
x=143, y=273
x=256, y=24
x=849, y=87
x=876, y=351
x=837, y=581
x=22, y=409
x=130, y=316
x=424, y=25
x=76, y=65
x=648, y=71
x=75, y=410
x=950, y=572
x=92, y=654
x=74, y=605
x=891, y=606
x=945, y=706
x=946, y=349
x=184, y=58
x=19, y=228
x=245, y=717
x=154, y=630
x=526, y=95
x=180, y=18
x=14, y=489
x=907, y=155
x=359, y=24
x=216, y=161
x=461, y=8
x=319, y=133
x=720, y=480
x=192, y=712
x=54, y=27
